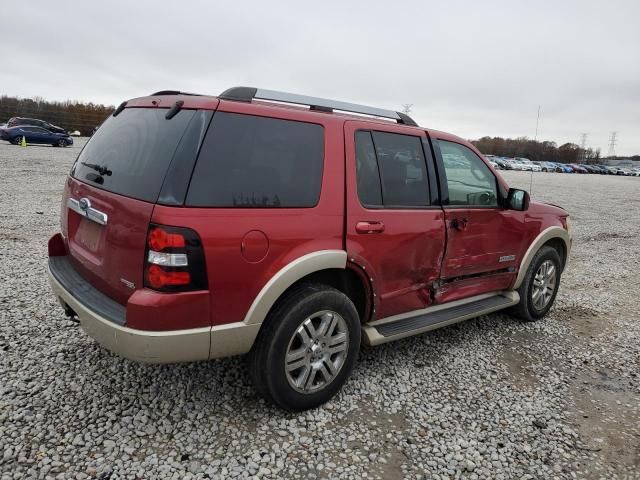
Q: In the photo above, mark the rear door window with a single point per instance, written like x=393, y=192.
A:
x=391, y=170
x=130, y=153
x=258, y=162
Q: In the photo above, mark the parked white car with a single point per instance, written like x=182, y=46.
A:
x=528, y=165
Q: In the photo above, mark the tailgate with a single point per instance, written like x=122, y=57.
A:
x=114, y=185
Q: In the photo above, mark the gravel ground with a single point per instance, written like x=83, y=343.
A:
x=488, y=398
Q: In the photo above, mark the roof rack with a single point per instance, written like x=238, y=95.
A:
x=247, y=94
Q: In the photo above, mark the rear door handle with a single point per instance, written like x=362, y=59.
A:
x=369, y=227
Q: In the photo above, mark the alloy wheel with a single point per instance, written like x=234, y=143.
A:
x=544, y=285
x=317, y=352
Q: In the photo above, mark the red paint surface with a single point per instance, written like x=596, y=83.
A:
x=403, y=259
x=399, y=261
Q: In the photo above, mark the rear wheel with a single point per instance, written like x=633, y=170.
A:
x=540, y=285
x=307, y=348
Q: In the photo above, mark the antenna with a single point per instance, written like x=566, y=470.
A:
x=612, y=144
x=535, y=139
x=406, y=108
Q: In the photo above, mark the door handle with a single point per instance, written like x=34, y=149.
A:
x=369, y=227
x=459, y=224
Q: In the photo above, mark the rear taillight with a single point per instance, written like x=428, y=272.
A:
x=174, y=260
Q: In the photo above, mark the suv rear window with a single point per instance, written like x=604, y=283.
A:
x=257, y=162
x=130, y=153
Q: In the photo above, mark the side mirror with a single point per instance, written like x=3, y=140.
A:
x=518, y=200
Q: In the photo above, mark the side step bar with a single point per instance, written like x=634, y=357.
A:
x=430, y=318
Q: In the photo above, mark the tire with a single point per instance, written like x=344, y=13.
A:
x=17, y=140
x=531, y=309
x=62, y=143
x=300, y=313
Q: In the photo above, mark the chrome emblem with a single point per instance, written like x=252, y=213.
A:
x=507, y=258
x=84, y=204
x=128, y=283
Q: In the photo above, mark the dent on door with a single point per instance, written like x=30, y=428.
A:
x=483, y=249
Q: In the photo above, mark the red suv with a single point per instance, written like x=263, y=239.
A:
x=290, y=228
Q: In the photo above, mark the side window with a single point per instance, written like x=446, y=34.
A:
x=391, y=170
x=469, y=180
x=367, y=173
x=258, y=162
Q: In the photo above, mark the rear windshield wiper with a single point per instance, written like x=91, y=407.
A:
x=98, y=168
x=173, y=111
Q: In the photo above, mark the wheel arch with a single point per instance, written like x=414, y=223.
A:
x=290, y=275
x=555, y=237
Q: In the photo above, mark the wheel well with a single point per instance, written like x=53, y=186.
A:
x=560, y=247
x=344, y=280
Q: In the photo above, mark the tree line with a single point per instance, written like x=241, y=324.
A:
x=70, y=115
x=534, y=150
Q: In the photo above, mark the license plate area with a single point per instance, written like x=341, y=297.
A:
x=89, y=235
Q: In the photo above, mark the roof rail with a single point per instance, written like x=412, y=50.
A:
x=247, y=94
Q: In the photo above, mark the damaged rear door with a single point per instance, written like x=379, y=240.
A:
x=395, y=232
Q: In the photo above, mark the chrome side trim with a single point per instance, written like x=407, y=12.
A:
x=371, y=336
x=541, y=239
x=290, y=274
x=83, y=207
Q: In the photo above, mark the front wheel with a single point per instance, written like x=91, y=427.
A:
x=540, y=285
x=62, y=143
x=17, y=140
x=307, y=348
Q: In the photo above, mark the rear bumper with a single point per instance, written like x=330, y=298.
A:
x=156, y=346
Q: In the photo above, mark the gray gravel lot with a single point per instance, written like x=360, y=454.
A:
x=488, y=398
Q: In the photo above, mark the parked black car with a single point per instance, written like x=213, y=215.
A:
x=21, y=121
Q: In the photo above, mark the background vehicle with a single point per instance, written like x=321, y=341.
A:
x=269, y=229
x=566, y=168
x=528, y=165
x=18, y=121
x=599, y=169
x=577, y=168
x=512, y=164
x=547, y=166
x=36, y=135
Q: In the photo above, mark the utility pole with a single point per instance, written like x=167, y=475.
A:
x=612, y=144
x=535, y=138
x=406, y=108
x=583, y=146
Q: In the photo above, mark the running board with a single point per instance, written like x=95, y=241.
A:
x=430, y=318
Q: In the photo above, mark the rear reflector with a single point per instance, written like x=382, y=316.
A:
x=56, y=246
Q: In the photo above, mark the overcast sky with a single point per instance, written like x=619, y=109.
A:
x=470, y=68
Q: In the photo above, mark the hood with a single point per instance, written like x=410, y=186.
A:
x=549, y=208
